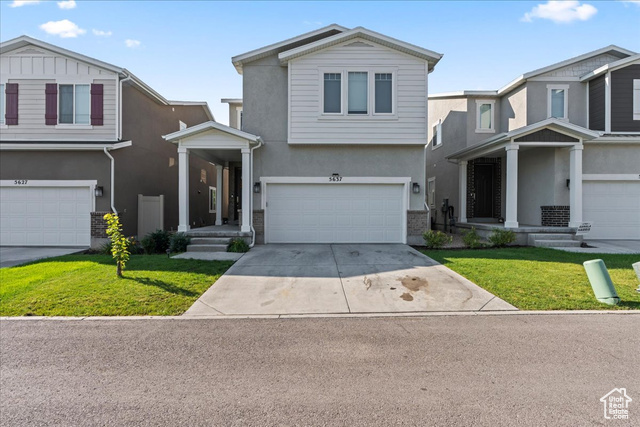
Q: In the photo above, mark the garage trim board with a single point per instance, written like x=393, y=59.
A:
x=84, y=200
x=398, y=187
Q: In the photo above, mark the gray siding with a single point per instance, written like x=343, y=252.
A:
x=596, y=103
x=546, y=135
x=622, y=99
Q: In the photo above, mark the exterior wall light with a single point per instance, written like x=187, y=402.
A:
x=99, y=191
x=256, y=187
x=415, y=188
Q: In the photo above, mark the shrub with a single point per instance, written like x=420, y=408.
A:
x=156, y=242
x=119, y=243
x=501, y=237
x=436, y=239
x=237, y=245
x=179, y=242
x=132, y=245
x=471, y=239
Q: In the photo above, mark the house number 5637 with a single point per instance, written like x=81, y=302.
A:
x=20, y=182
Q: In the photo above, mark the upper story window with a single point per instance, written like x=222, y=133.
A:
x=358, y=93
x=332, y=93
x=384, y=93
x=358, y=89
x=485, y=116
x=558, y=101
x=74, y=104
x=636, y=99
x=436, y=140
x=3, y=103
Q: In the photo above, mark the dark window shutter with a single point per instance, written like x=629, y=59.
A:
x=51, y=104
x=11, y=115
x=97, y=104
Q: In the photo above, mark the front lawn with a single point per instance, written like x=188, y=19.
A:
x=541, y=278
x=86, y=285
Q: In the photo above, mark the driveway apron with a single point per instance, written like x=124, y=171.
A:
x=340, y=279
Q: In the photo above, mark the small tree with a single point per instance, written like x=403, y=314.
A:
x=119, y=243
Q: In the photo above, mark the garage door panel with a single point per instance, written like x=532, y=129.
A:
x=614, y=209
x=51, y=216
x=335, y=213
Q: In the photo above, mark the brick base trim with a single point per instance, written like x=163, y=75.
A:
x=417, y=222
x=555, y=216
x=258, y=222
x=98, y=225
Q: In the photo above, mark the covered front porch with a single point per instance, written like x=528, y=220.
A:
x=525, y=180
x=231, y=151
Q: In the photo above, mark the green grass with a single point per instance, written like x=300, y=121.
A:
x=541, y=278
x=86, y=285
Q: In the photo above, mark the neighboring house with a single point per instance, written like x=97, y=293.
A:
x=79, y=138
x=340, y=157
x=553, y=148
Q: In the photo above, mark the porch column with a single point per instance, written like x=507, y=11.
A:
x=511, y=220
x=246, y=190
x=183, y=189
x=462, y=177
x=575, y=186
x=219, y=188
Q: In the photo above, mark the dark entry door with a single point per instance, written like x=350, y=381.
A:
x=237, y=191
x=484, y=191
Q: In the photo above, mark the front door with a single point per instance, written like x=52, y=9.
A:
x=237, y=191
x=484, y=191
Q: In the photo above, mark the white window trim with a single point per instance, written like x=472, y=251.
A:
x=239, y=117
x=491, y=102
x=344, y=89
x=213, y=196
x=431, y=203
x=438, y=142
x=636, y=99
x=3, y=106
x=566, y=100
x=74, y=125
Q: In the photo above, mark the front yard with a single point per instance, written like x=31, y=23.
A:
x=540, y=278
x=86, y=285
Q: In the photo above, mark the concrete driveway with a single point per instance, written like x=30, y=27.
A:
x=14, y=255
x=334, y=279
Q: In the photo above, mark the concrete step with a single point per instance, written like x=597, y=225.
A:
x=195, y=233
x=210, y=240
x=532, y=238
x=557, y=243
x=207, y=248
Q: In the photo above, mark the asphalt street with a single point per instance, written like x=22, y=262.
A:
x=442, y=370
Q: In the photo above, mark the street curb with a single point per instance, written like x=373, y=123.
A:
x=329, y=315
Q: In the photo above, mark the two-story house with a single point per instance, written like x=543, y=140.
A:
x=79, y=138
x=332, y=142
x=554, y=148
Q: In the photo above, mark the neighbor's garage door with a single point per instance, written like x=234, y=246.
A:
x=45, y=216
x=335, y=213
x=613, y=207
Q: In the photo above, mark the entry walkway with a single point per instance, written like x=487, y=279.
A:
x=338, y=279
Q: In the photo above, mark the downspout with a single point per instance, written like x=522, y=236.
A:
x=112, y=189
x=120, y=107
x=253, y=230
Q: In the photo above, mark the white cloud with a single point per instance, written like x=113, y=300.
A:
x=132, y=43
x=64, y=29
x=68, y=4
x=19, y=3
x=561, y=11
x=636, y=2
x=101, y=33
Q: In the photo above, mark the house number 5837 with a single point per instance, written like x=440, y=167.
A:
x=20, y=182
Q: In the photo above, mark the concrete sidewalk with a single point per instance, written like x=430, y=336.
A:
x=15, y=255
x=338, y=279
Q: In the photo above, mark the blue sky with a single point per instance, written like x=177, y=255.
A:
x=183, y=49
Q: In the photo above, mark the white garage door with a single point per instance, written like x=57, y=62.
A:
x=613, y=207
x=45, y=216
x=335, y=213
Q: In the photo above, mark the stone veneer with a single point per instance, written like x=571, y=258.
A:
x=98, y=225
x=555, y=216
x=258, y=222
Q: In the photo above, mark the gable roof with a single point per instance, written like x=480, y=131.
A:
x=611, y=49
x=612, y=66
x=123, y=73
x=211, y=125
x=239, y=60
x=360, y=32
